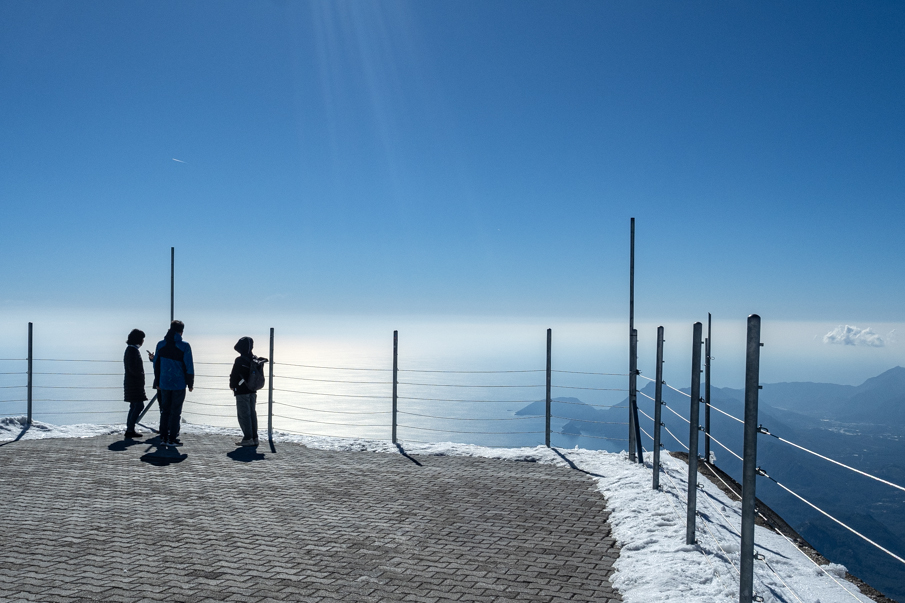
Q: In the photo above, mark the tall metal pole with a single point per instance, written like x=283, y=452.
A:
x=658, y=404
x=549, y=385
x=707, y=391
x=172, y=283
x=30, y=358
x=632, y=360
x=693, y=429
x=270, y=395
x=749, y=465
x=633, y=398
x=395, y=377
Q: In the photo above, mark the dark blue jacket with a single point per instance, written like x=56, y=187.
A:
x=173, y=367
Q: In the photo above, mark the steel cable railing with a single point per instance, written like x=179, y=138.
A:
x=208, y=384
x=764, y=431
x=762, y=473
x=734, y=418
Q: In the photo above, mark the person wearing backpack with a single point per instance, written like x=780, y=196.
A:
x=246, y=378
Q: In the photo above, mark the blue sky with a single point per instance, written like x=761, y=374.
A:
x=455, y=158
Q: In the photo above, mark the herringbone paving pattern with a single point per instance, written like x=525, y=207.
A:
x=88, y=520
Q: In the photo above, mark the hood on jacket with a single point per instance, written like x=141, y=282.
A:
x=244, y=346
x=172, y=336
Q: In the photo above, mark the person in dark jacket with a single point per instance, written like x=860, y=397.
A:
x=134, y=381
x=174, y=371
x=245, y=398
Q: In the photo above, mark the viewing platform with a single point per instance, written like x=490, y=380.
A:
x=103, y=519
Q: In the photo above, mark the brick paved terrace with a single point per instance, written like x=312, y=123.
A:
x=96, y=519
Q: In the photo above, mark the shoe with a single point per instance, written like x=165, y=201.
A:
x=175, y=442
x=246, y=443
x=131, y=435
x=256, y=442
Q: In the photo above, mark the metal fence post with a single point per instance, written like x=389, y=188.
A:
x=632, y=360
x=270, y=395
x=549, y=373
x=707, y=392
x=693, y=429
x=30, y=358
x=658, y=404
x=749, y=465
x=395, y=379
x=172, y=283
x=635, y=427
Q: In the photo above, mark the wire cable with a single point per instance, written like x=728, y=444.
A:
x=82, y=374
x=414, y=414
x=327, y=422
x=472, y=372
x=667, y=407
x=676, y=390
x=596, y=389
x=474, y=401
x=333, y=380
x=472, y=432
x=67, y=360
x=585, y=420
x=339, y=412
x=816, y=508
x=734, y=418
x=292, y=391
x=675, y=438
x=331, y=368
x=726, y=448
x=826, y=458
x=72, y=387
x=461, y=385
x=584, y=435
x=587, y=373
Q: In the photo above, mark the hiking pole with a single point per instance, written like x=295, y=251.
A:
x=146, y=409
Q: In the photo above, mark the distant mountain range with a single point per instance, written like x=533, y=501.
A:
x=862, y=426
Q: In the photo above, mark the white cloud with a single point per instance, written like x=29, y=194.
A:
x=849, y=335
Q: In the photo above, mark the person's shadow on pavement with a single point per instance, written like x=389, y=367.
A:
x=123, y=445
x=163, y=456
x=246, y=454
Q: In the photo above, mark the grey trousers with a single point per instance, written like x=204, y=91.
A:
x=248, y=418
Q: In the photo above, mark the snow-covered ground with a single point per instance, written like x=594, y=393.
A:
x=655, y=564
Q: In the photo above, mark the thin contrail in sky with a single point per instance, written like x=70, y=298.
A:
x=179, y=160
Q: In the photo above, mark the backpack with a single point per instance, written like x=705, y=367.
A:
x=255, y=379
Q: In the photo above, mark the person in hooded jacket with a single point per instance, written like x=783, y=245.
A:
x=245, y=398
x=174, y=371
x=134, y=381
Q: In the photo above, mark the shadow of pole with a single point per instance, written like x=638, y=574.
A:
x=403, y=453
x=573, y=465
x=18, y=437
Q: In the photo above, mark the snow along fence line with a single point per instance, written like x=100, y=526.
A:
x=750, y=551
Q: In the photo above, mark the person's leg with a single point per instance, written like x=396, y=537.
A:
x=165, y=400
x=135, y=409
x=176, y=413
x=243, y=402
x=254, y=417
